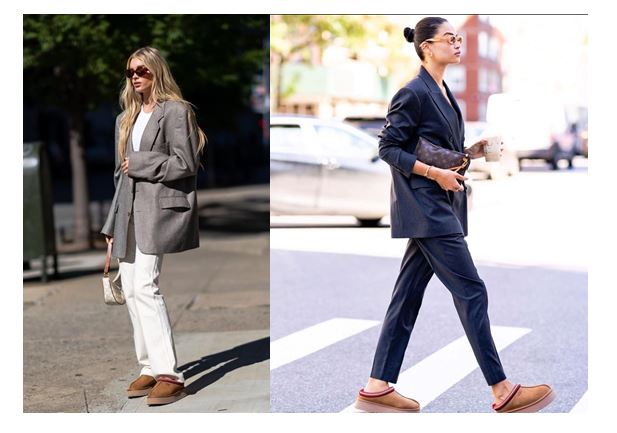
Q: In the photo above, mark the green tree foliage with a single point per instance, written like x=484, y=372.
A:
x=303, y=38
x=76, y=62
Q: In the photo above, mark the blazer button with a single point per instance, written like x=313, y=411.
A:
x=450, y=139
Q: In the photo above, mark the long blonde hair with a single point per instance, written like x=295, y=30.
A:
x=164, y=88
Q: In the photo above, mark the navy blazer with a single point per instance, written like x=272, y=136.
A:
x=419, y=207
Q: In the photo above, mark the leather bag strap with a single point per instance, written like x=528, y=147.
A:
x=107, y=260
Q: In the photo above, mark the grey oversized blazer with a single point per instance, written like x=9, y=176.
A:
x=160, y=186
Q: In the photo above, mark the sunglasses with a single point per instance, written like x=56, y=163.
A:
x=449, y=39
x=140, y=71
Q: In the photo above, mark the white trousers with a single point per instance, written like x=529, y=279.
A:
x=154, y=344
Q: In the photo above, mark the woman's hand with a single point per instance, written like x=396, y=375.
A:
x=477, y=150
x=448, y=179
x=109, y=239
x=125, y=166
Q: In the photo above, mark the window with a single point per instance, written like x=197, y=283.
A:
x=483, y=80
x=456, y=78
x=483, y=44
x=494, y=83
x=493, y=49
x=286, y=138
x=482, y=111
x=337, y=142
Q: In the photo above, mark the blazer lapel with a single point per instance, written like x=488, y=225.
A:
x=440, y=101
x=460, y=125
x=152, y=128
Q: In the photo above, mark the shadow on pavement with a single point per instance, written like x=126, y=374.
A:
x=237, y=357
x=67, y=275
x=236, y=215
x=223, y=213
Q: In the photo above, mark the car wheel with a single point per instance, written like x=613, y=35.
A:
x=554, y=159
x=369, y=222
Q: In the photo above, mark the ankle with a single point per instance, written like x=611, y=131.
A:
x=502, y=389
x=375, y=385
x=169, y=379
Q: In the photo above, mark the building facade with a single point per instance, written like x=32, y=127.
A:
x=479, y=74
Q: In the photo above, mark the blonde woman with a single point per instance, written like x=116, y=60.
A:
x=154, y=211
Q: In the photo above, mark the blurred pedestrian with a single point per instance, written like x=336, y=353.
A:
x=429, y=206
x=154, y=211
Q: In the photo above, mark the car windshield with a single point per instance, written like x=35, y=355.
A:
x=341, y=142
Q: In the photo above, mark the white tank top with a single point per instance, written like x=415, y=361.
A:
x=138, y=128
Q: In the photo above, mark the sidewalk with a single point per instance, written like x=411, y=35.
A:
x=78, y=352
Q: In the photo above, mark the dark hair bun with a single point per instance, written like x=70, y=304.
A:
x=408, y=34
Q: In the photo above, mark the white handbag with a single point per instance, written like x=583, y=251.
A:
x=112, y=289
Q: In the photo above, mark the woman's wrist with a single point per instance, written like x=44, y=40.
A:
x=434, y=173
x=428, y=169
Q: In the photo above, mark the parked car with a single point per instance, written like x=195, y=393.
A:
x=372, y=125
x=326, y=167
x=534, y=127
x=579, y=128
x=584, y=143
x=508, y=165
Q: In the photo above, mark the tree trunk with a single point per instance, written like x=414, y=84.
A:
x=276, y=64
x=81, y=197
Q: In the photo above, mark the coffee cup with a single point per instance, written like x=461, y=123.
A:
x=492, y=148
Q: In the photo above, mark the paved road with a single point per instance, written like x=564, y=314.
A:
x=78, y=352
x=331, y=282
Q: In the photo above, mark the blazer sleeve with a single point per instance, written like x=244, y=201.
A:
x=402, y=119
x=108, y=227
x=182, y=160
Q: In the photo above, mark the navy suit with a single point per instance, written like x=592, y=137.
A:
x=435, y=221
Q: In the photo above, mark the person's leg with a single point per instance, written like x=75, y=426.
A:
x=414, y=275
x=127, y=274
x=452, y=263
x=153, y=316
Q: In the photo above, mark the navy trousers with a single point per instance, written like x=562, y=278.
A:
x=449, y=258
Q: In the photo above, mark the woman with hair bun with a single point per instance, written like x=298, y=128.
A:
x=154, y=211
x=429, y=207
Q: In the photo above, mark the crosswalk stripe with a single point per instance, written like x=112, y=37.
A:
x=314, y=338
x=581, y=406
x=436, y=373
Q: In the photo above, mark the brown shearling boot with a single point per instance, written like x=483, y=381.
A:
x=165, y=391
x=141, y=386
x=525, y=399
x=385, y=401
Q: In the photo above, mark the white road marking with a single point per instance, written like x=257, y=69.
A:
x=314, y=338
x=581, y=406
x=436, y=373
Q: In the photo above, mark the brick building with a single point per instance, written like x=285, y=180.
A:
x=479, y=74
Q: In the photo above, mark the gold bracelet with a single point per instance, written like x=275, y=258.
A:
x=426, y=174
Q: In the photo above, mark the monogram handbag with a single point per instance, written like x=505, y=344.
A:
x=437, y=156
x=112, y=289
